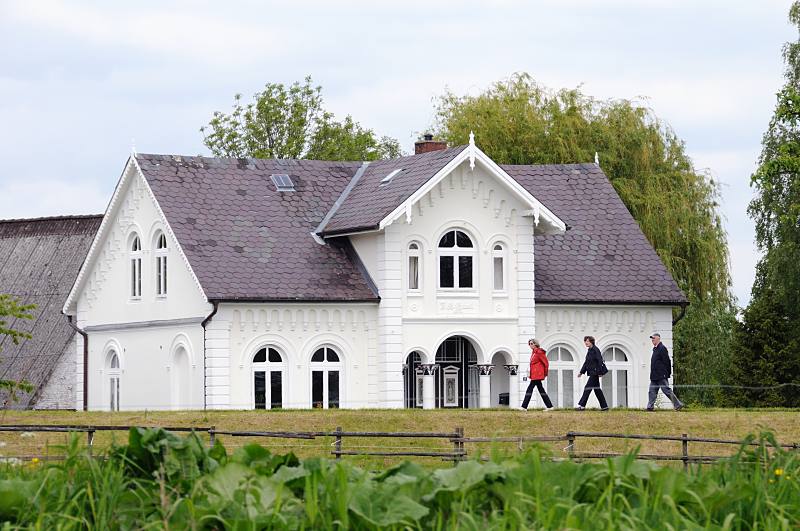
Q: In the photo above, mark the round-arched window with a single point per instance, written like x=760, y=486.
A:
x=561, y=377
x=113, y=374
x=161, y=265
x=615, y=384
x=326, y=368
x=414, y=260
x=136, y=267
x=268, y=369
x=456, y=260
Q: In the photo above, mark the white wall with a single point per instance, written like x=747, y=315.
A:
x=238, y=331
x=475, y=202
x=625, y=326
x=147, y=329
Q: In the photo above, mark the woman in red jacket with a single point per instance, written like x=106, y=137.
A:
x=539, y=367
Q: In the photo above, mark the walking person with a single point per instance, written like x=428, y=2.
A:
x=660, y=371
x=540, y=365
x=594, y=367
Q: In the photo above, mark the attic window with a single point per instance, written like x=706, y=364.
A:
x=388, y=178
x=282, y=182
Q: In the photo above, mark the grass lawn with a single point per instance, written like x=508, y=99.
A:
x=715, y=423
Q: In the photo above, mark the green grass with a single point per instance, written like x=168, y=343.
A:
x=161, y=481
x=716, y=423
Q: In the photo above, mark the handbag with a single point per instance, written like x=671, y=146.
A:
x=603, y=369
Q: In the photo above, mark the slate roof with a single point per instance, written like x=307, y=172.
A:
x=369, y=201
x=246, y=241
x=39, y=260
x=604, y=257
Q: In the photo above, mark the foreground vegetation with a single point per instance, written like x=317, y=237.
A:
x=159, y=480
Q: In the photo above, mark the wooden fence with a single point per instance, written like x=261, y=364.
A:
x=455, y=439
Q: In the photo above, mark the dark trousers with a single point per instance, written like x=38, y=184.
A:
x=538, y=385
x=593, y=385
x=652, y=393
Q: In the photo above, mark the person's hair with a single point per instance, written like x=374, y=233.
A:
x=535, y=342
x=590, y=339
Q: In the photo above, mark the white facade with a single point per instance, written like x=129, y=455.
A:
x=425, y=344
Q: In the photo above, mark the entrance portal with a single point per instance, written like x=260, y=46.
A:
x=457, y=380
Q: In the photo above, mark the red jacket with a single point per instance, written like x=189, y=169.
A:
x=539, y=364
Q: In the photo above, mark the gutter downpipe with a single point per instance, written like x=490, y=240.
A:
x=682, y=314
x=85, y=361
x=203, y=324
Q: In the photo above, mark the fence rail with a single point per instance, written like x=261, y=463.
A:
x=455, y=439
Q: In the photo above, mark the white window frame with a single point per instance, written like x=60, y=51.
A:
x=135, y=277
x=161, y=265
x=113, y=376
x=557, y=368
x=615, y=366
x=267, y=367
x=499, y=254
x=450, y=374
x=414, y=251
x=456, y=252
x=326, y=367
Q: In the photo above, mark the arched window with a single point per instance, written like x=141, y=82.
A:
x=615, y=383
x=325, y=380
x=456, y=257
x=499, y=267
x=161, y=265
x=413, y=266
x=113, y=372
x=136, y=267
x=268, y=370
x=561, y=377
x=412, y=380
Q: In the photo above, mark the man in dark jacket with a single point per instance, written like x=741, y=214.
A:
x=660, y=371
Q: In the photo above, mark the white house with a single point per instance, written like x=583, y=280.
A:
x=412, y=282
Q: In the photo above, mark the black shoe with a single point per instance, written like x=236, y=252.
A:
x=580, y=408
x=678, y=408
x=650, y=409
x=603, y=409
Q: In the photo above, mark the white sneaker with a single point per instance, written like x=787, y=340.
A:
x=549, y=409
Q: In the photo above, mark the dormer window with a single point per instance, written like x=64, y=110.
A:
x=456, y=257
x=392, y=175
x=161, y=265
x=136, y=267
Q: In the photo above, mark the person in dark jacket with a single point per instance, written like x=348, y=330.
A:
x=539, y=368
x=593, y=366
x=660, y=371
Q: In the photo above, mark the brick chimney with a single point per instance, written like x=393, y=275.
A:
x=428, y=144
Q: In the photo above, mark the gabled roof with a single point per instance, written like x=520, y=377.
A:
x=39, y=260
x=604, y=257
x=247, y=241
x=368, y=202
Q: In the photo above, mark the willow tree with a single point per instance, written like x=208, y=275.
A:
x=767, y=351
x=518, y=121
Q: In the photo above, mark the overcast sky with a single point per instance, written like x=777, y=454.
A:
x=80, y=81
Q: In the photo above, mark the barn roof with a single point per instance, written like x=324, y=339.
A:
x=39, y=260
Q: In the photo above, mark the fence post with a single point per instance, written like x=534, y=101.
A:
x=90, y=439
x=685, y=448
x=571, y=444
x=338, y=443
x=458, y=446
x=212, y=436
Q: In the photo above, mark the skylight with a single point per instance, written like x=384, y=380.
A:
x=388, y=178
x=282, y=182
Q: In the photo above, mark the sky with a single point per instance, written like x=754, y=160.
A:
x=81, y=82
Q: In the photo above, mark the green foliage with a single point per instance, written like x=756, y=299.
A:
x=253, y=489
x=767, y=348
x=11, y=307
x=520, y=122
x=291, y=123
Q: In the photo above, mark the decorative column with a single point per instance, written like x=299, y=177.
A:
x=513, y=386
x=428, y=385
x=485, y=400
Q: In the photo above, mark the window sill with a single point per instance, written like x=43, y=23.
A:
x=500, y=294
x=457, y=293
x=161, y=297
x=135, y=299
x=415, y=293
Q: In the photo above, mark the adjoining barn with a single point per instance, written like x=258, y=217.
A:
x=39, y=261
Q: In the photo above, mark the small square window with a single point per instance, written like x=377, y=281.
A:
x=282, y=182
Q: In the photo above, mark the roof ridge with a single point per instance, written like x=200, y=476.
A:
x=63, y=217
